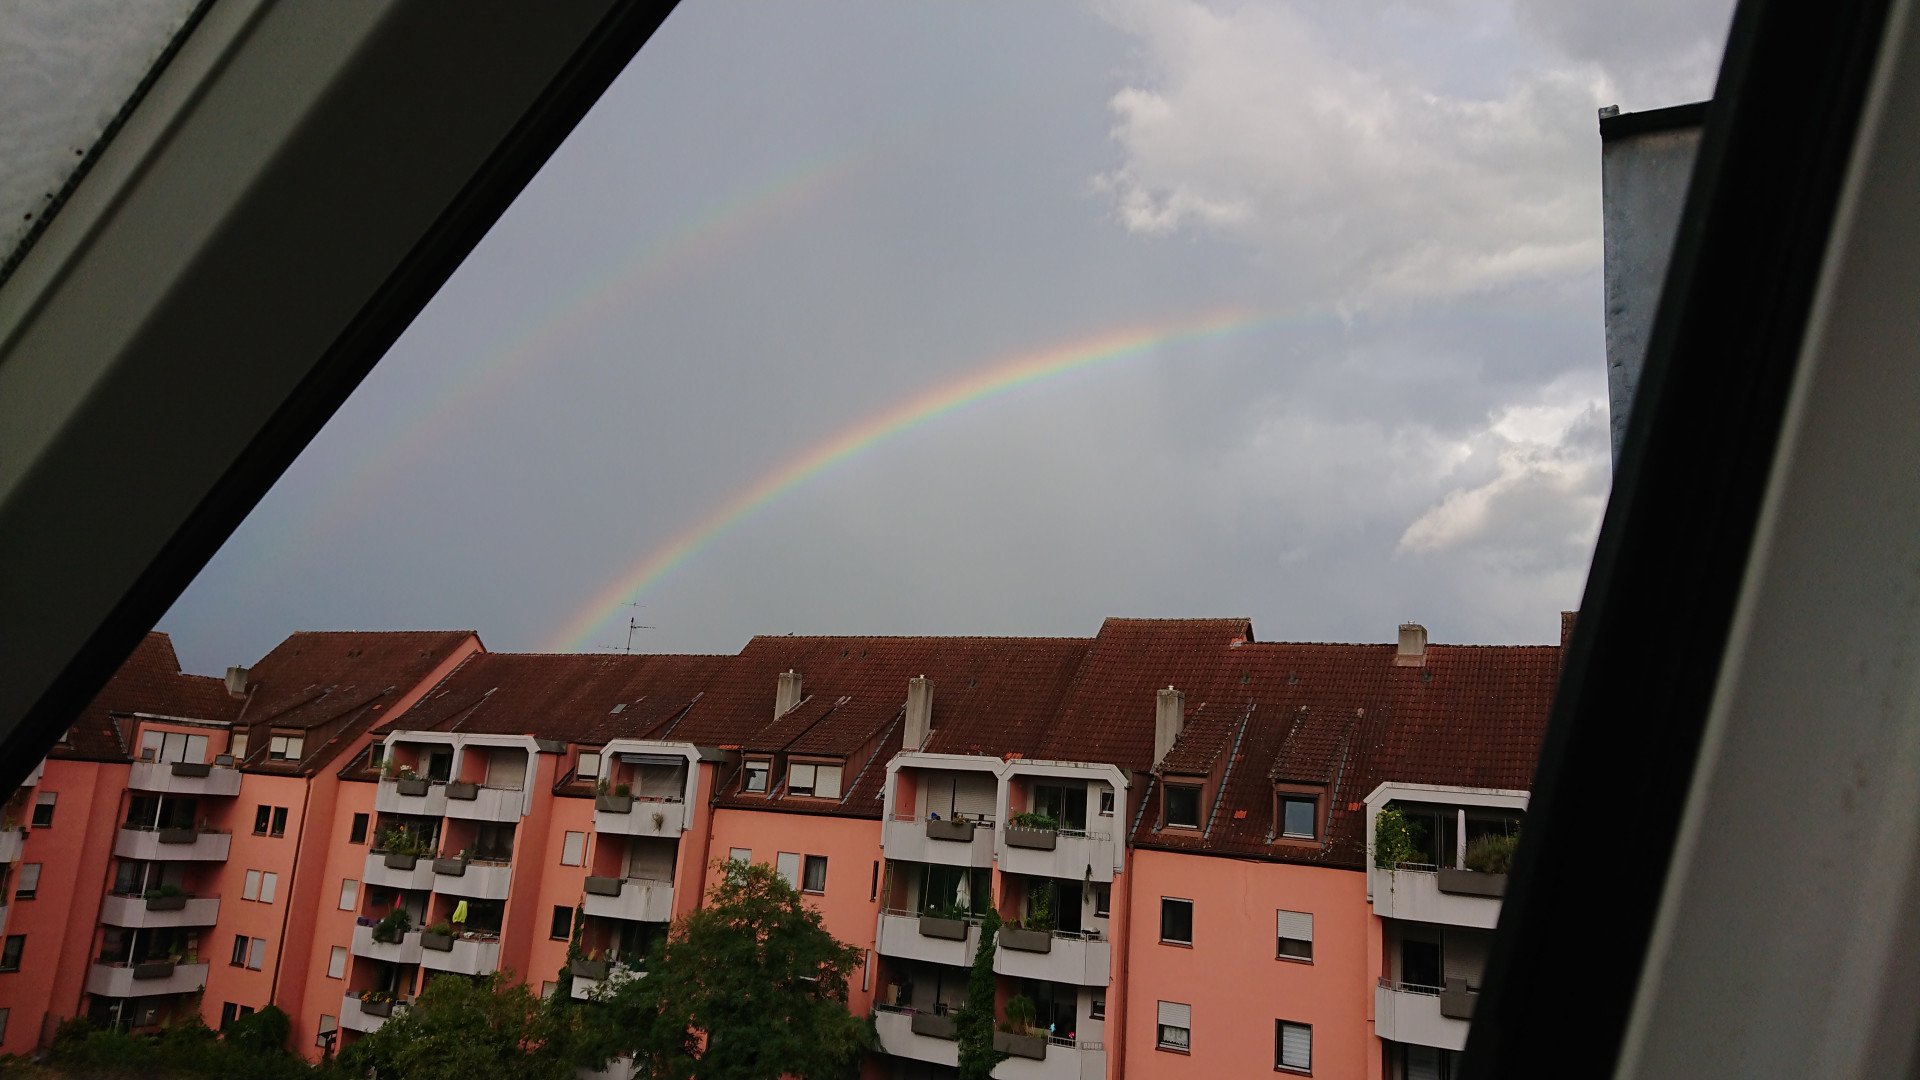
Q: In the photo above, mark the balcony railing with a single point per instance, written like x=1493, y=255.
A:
x=152, y=844
x=184, y=778
x=139, y=912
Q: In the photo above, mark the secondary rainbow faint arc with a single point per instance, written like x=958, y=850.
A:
x=1022, y=370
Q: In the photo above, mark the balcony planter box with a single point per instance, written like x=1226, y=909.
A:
x=950, y=830
x=588, y=969
x=436, y=942
x=387, y=937
x=190, y=768
x=604, y=886
x=462, y=789
x=412, y=785
x=1026, y=1046
x=376, y=1008
x=1038, y=839
x=166, y=903
x=396, y=861
x=938, y=1027
x=1456, y=1001
x=454, y=867
x=949, y=929
x=178, y=836
x=1025, y=940
x=1472, y=883
x=157, y=969
x=613, y=804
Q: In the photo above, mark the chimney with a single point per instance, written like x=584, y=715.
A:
x=919, y=713
x=1567, y=619
x=237, y=682
x=1169, y=716
x=1413, y=646
x=788, y=694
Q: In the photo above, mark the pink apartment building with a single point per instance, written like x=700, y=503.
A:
x=1203, y=904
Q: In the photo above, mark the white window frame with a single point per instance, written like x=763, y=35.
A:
x=573, y=849
x=251, y=890
x=337, y=963
x=1281, y=1028
x=349, y=894
x=1174, y=1016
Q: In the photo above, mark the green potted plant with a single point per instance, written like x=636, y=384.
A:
x=1396, y=840
x=394, y=927
x=166, y=898
x=1017, y=1035
x=438, y=937
x=619, y=801
x=376, y=1002
x=1036, y=934
x=945, y=921
x=1489, y=857
x=455, y=865
x=1038, y=831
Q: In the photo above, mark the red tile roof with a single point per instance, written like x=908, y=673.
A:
x=149, y=682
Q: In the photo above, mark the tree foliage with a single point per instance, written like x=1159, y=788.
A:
x=747, y=987
x=973, y=1024
x=253, y=1047
x=463, y=1027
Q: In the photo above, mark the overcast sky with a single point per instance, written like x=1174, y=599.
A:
x=785, y=220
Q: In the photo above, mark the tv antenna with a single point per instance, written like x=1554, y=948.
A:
x=633, y=624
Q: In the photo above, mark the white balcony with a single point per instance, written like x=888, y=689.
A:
x=467, y=957
x=487, y=804
x=1073, y=856
x=897, y=1037
x=1086, y=1061
x=354, y=1017
x=171, y=845
x=405, y=951
x=639, y=901
x=1068, y=960
x=478, y=881
x=585, y=988
x=11, y=841
x=647, y=817
x=377, y=872
x=134, y=911
x=184, y=778
x=908, y=840
x=1415, y=895
x=900, y=936
x=431, y=803
x=145, y=980
x=1412, y=1015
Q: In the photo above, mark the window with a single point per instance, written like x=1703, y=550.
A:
x=787, y=864
x=279, y=822
x=239, y=951
x=816, y=875
x=257, y=953
x=1106, y=802
x=337, y=963
x=562, y=928
x=826, y=781
x=268, y=883
x=10, y=955
x=1102, y=899
x=1183, y=806
x=3, y=1024
x=359, y=833
x=329, y=1023
x=376, y=754
x=1176, y=921
x=1098, y=1010
x=1297, y=816
x=349, y=894
x=285, y=746
x=262, y=815
x=800, y=778
x=740, y=854
x=29, y=882
x=1292, y=1046
x=589, y=766
x=251, y=890
x=573, y=849
x=229, y=1012
x=548, y=989
x=43, y=809
x=1176, y=1026
x=237, y=745
x=1295, y=935
x=754, y=778
x=873, y=890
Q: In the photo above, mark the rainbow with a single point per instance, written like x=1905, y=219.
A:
x=971, y=389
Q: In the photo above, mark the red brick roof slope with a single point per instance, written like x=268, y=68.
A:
x=1108, y=715
x=333, y=685
x=1347, y=717
x=151, y=682
x=579, y=698
x=1205, y=737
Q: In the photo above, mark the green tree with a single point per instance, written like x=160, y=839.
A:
x=973, y=1024
x=749, y=986
x=464, y=1027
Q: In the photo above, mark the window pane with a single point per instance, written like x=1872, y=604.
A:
x=279, y=821
x=239, y=949
x=349, y=894
x=573, y=849
x=800, y=778
x=29, y=881
x=268, y=883
x=1183, y=806
x=740, y=854
x=337, y=963
x=257, y=954
x=261, y=815
x=816, y=879
x=1176, y=921
x=826, y=782
x=359, y=834
x=1299, y=818
x=756, y=779
x=589, y=766
x=1296, y=1046
x=787, y=864
x=251, y=891
x=562, y=927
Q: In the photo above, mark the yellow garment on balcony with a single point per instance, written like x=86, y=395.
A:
x=460, y=912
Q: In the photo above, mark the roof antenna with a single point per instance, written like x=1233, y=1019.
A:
x=634, y=623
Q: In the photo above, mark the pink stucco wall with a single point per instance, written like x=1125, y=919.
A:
x=1230, y=976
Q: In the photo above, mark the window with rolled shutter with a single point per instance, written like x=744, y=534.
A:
x=1294, y=1046
x=800, y=778
x=663, y=781
x=650, y=861
x=973, y=795
x=1295, y=935
x=937, y=792
x=787, y=864
x=826, y=782
x=507, y=768
x=1176, y=1025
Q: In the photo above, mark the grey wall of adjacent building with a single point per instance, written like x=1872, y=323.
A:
x=1646, y=161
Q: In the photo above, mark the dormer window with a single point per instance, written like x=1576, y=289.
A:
x=285, y=746
x=809, y=778
x=237, y=746
x=754, y=776
x=589, y=766
x=1183, y=806
x=1298, y=814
